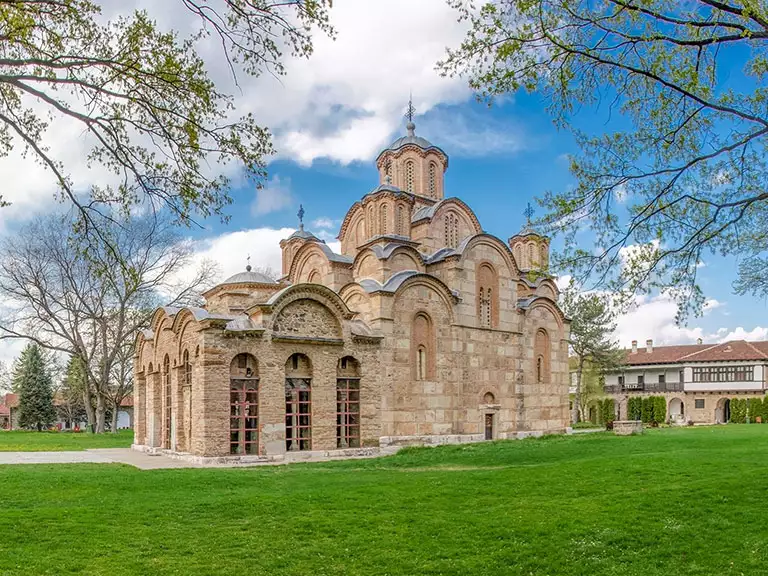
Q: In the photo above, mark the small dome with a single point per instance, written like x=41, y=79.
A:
x=411, y=138
x=249, y=277
x=304, y=235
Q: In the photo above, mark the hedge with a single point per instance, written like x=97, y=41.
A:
x=635, y=408
x=755, y=410
x=738, y=410
x=659, y=409
x=648, y=409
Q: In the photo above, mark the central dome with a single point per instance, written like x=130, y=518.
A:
x=249, y=277
x=411, y=138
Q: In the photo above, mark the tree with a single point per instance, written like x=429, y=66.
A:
x=92, y=307
x=682, y=171
x=143, y=97
x=591, y=346
x=71, y=407
x=33, y=383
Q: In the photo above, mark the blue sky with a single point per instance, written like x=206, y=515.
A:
x=330, y=117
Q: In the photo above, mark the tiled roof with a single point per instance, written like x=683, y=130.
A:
x=734, y=350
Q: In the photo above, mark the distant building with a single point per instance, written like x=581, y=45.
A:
x=9, y=414
x=697, y=380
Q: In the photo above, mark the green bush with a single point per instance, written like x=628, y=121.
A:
x=635, y=408
x=609, y=410
x=659, y=409
x=647, y=414
x=738, y=410
x=755, y=409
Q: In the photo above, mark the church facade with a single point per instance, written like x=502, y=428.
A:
x=423, y=330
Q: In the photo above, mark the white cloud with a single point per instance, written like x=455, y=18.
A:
x=757, y=333
x=274, y=197
x=325, y=223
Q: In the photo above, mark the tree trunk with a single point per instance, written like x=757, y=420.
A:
x=101, y=415
x=87, y=400
x=115, y=410
x=579, y=412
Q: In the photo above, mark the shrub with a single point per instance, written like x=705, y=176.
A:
x=647, y=410
x=635, y=408
x=738, y=410
x=659, y=409
x=755, y=409
x=609, y=410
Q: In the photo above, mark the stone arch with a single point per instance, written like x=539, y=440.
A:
x=244, y=424
x=452, y=221
x=486, y=240
x=357, y=300
x=435, y=284
x=350, y=223
x=676, y=410
x=310, y=256
x=313, y=277
x=552, y=307
x=308, y=318
x=366, y=264
x=400, y=221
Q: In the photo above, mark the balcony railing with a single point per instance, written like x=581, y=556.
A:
x=646, y=387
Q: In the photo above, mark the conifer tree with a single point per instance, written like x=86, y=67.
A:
x=33, y=383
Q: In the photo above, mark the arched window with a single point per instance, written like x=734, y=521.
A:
x=371, y=222
x=531, y=258
x=348, y=403
x=360, y=234
x=423, y=347
x=489, y=398
x=167, y=402
x=186, y=394
x=432, y=179
x=543, y=355
x=409, y=170
x=400, y=223
x=187, y=369
x=451, y=230
x=244, y=405
x=298, y=403
x=519, y=256
x=384, y=217
x=487, y=301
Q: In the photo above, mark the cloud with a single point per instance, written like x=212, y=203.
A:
x=757, y=333
x=274, y=197
x=326, y=223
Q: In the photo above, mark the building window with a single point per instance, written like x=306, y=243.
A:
x=542, y=351
x=641, y=379
x=243, y=405
x=487, y=301
x=699, y=403
x=348, y=404
x=422, y=341
x=621, y=380
x=531, y=258
x=724, y=374
x=662, y=379
x=298, y=403
x=384, y=218
x=187, y=369
x=167, y=403
x=451, y=230
x=432, y=179
x=371, y=221
x=489, y=426
x=400, y=223
x=409, y=169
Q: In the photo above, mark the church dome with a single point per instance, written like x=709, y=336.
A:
x=249, y=277
x=411, y=138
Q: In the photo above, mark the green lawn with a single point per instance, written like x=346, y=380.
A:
x=21, y=441
x=672, y=502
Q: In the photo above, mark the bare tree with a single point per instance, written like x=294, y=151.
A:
x=88, y=300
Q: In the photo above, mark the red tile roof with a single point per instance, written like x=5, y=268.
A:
x=735, y=350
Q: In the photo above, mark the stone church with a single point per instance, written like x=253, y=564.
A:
x=423, y=330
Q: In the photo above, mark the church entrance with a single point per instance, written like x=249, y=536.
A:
x=298, y=403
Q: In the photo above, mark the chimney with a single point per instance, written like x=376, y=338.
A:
x=634, y=346
x=649, y=346
x=699, y=341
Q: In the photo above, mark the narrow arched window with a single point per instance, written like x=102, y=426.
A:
x=400, y=223
x=244, y=405
x=531, y=258
x=409, y=170
x=487, y=301
x=543, y=354
x=371, y=222
x=422, y=346
x=187, y=369
x=432, y=179
x=348, y=403
x=384, y=217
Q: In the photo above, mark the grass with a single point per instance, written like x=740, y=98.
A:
x=22, y=441
x=677, y=501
